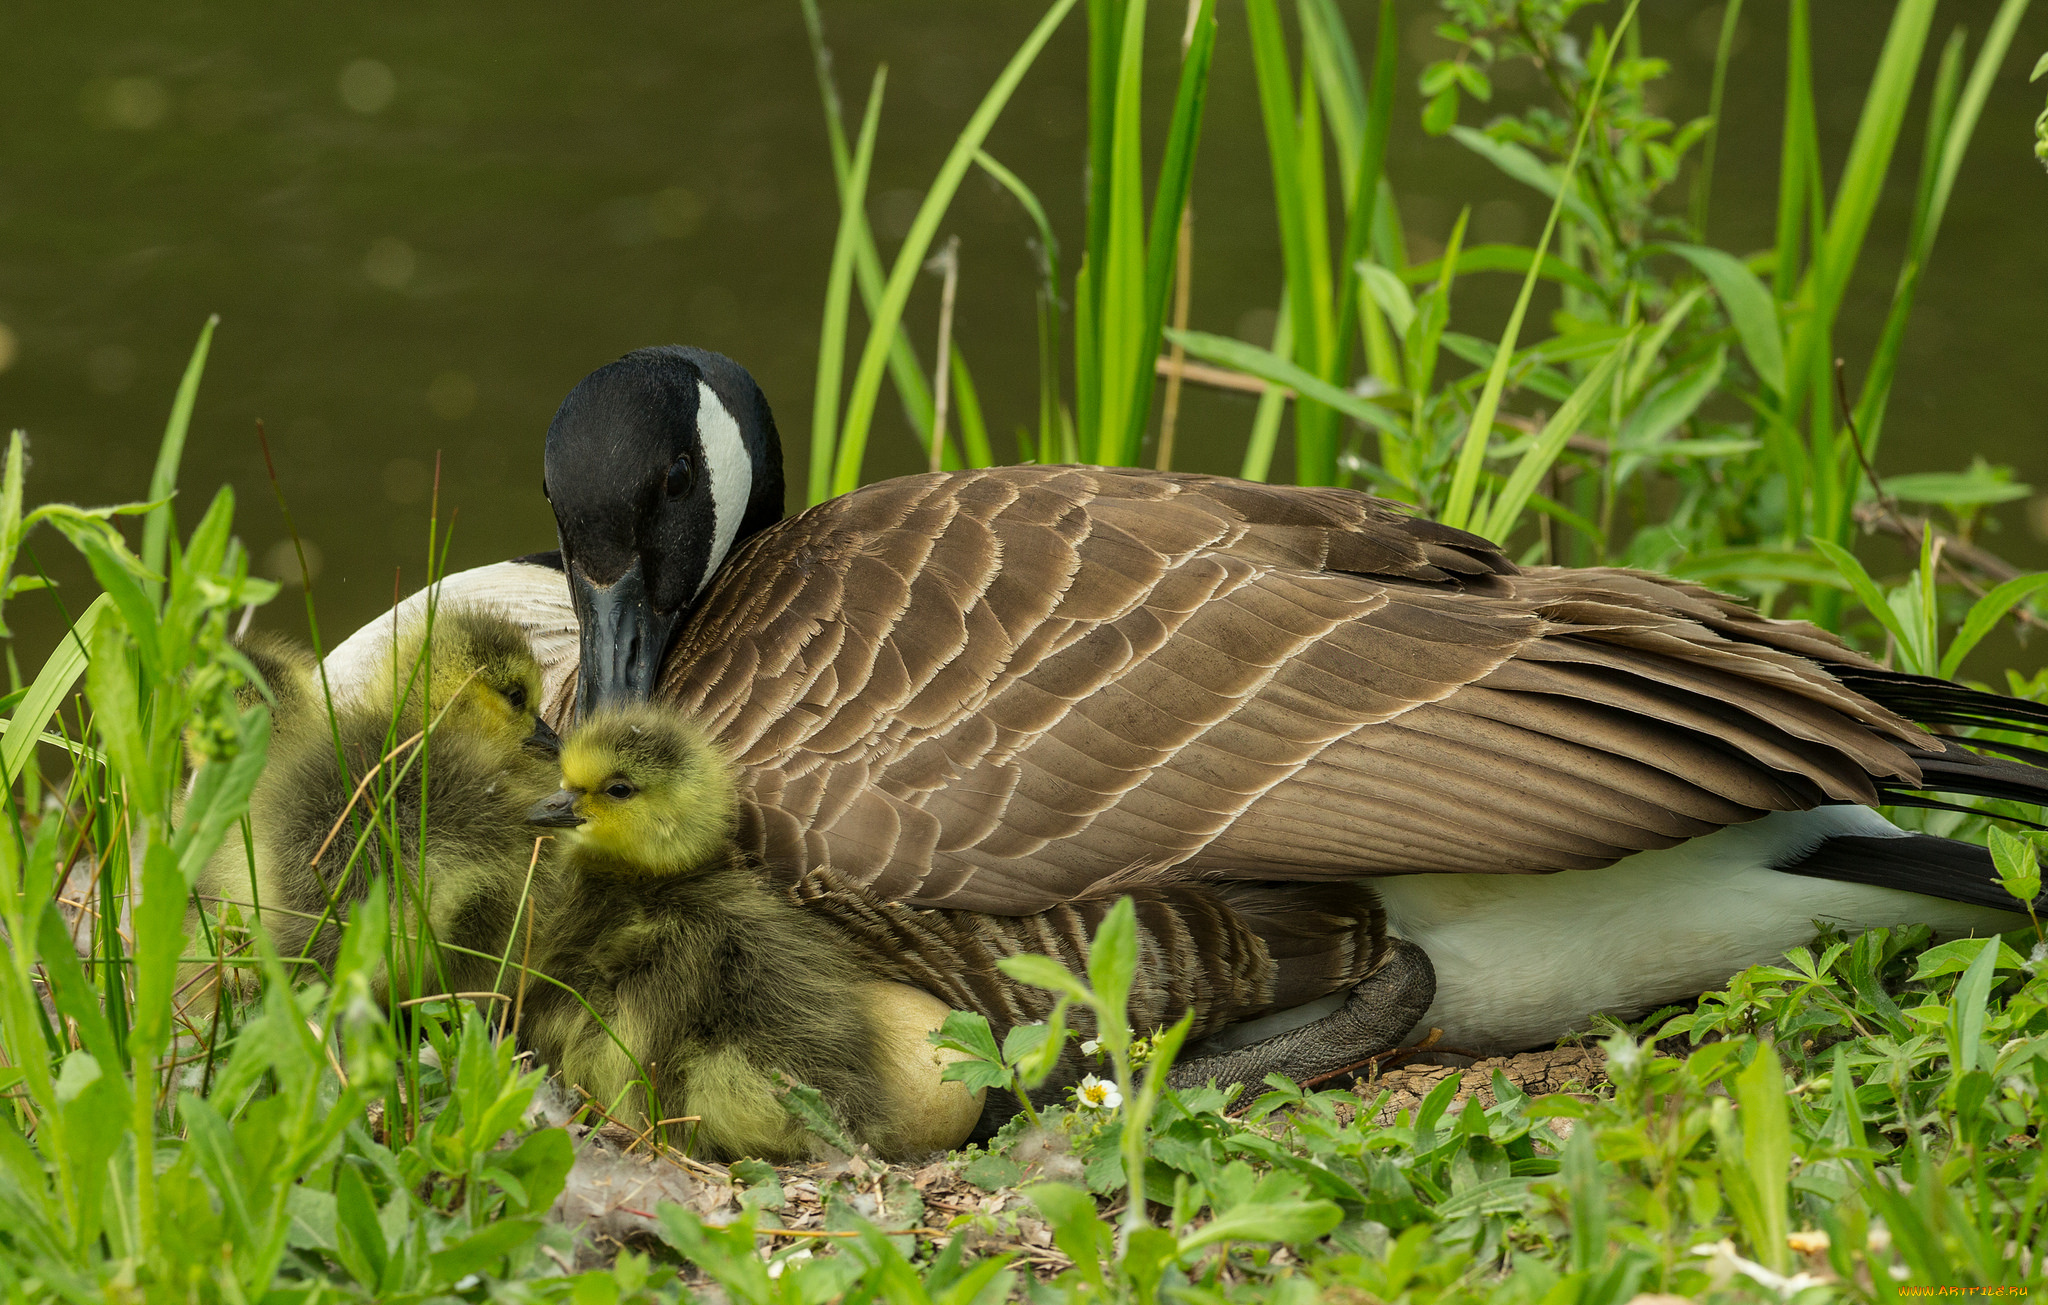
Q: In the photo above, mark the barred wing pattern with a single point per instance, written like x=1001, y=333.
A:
x=1007, y=690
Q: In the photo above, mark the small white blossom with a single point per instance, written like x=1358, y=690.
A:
x=1098, y=1094
x=1091, y=1047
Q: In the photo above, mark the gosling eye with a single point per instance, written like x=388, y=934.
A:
x=517, y=697
x=682, y=474
x=619, y=790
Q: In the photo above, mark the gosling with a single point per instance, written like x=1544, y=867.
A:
x=708, y=976
x=459, y=740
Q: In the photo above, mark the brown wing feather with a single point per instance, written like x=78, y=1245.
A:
x=999, y=691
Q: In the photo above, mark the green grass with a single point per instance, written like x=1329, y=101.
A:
x=1678, y=409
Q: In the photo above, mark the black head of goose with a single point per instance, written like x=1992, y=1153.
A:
x=1017, y=693
x=656, y=465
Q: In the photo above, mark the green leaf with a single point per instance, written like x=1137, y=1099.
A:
x=1957, y=954
x=1550, y=441
x=47, y=690
x=159, y=938
x=483, y=1249
x=1967, y=1006
x=2019, y=865
x=1750, y=308
x=2040, y=68
x=968, y=1031
x=1766, y=1152
x=1024, y=1040
x=1113, y=964
x=1076, y=1227
x=993, y=1172
x=1867, y=592
x=1525, y=167
x=1290, y=1222
x=1727, y=565
x=1506, y=258
x=1388, y=291
x=1955, y=489
x=1985, y=614
x=541, y=1165
x=867, y=380
x=1044, y=972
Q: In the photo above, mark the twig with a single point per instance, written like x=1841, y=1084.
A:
x=1221, y=378
x=1177, y=357
x=526, y=956
x=358, y=794
x=946, y=262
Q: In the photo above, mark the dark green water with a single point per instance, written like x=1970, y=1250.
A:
x=422, y=223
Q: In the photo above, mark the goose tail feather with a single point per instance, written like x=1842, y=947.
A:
x=1915, y=863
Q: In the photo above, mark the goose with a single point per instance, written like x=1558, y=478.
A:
x=1016, y=693
x=317, y=845
x=678, y=955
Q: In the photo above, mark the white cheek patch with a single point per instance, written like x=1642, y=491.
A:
x=731, y=471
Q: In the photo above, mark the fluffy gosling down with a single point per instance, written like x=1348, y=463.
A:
x=322, y=834
x=706, y=974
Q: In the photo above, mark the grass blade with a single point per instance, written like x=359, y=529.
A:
x=1952, y=143
x=1169, y=201
x=867, y=381
x=1048, y=306
x=838, y=291
x=905, y=372
x=1119, y=276
x=1522, y=482
x=163, y=481
x=59, y=673
x=1703, y=179
x=1457, y=507
x=1264, y=439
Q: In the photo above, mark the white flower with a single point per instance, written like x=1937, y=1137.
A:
x=1091, y=1047
x=1098, y=1094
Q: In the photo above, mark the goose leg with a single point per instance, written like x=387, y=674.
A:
x=1381, y=1010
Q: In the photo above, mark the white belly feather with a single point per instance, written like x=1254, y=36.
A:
x=1522, y=960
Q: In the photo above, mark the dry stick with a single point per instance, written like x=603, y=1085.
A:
x=946, y=261
x=1222, y=378
x=526, y=955
x=358, y=794
x=1177, y=357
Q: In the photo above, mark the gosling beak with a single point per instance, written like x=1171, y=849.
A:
x=543, y=741
x=622, y=638
x=556, y=811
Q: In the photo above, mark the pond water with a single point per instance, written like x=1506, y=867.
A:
x=421, y=224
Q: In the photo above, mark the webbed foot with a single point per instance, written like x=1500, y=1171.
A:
x=1379, y=1013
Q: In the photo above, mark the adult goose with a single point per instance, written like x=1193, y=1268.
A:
x=1011, y=695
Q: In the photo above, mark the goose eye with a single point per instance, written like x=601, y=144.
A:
x=682, y=473
x=619, y=790
x=517, y=697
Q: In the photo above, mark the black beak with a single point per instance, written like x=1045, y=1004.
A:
x=621, y=639
x=543, y=741
x=556, y=811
